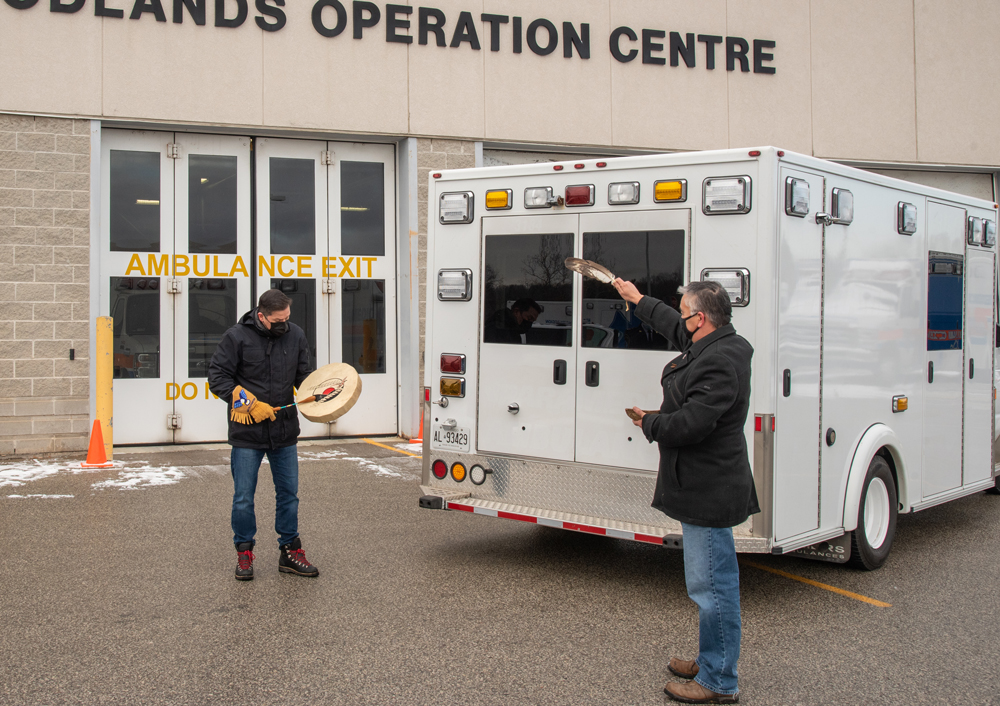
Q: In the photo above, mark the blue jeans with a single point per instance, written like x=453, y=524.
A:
x=245, y=463
x=713, y=583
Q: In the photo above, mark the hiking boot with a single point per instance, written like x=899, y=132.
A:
x=694, y=693
x=684, y=668
x=293, y=560
x=244, y=561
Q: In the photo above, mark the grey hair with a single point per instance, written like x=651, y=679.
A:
x=711, y=300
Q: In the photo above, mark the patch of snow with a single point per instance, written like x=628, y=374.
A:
x=413, y=448
x=383, y=471
x=38, y=495
x=320, y=455
x=142, y=477
x=17, y=474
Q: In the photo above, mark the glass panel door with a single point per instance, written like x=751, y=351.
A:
x=292, y=240
x=212, y=261
x=527, y=366
x=136, y=231
x=620, y=359
x=360, y=274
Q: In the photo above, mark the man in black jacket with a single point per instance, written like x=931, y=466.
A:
x=266, y=355
x=704, y=480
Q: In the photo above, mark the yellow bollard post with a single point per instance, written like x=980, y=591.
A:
x=104, y=394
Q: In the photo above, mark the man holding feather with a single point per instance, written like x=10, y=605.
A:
x=264, y=356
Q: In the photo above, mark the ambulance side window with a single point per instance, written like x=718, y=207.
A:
x=654, y=262
x=527, y=291
x=944, y=301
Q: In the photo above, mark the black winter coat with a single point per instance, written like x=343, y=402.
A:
x=269, y=368
x=705, y=477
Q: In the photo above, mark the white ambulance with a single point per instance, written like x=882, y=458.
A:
x=870, y=303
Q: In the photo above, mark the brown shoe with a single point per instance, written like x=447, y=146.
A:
x=694, y=693
x=684, y=668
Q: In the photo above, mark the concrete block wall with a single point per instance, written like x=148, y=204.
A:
x=44, y=284
x=434, y=155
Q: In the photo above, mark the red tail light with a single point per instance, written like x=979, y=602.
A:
x=758, y=424
x=427, y=394
x=581, y=195
x=440, y=469
x=453, y=363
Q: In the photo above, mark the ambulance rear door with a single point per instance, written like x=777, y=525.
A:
x=527, y=366
x=620, y=359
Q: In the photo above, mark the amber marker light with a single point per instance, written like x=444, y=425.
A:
x=499, y=199
x=675, y=190
x=452, y=387
x=900, y=403
x=458, y=472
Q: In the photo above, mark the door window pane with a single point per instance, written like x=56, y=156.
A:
x=134, y=191
x=135, y=309
x=303, y=296
x=363, y=311
x=527, y=290
x=654, y=262
x=944, y=301
x=362, y=208
x=211, y=311
x=293, y=206
x=212, y=204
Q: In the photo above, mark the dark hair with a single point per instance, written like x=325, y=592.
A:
x=710, y=299
x=273, y=300
x=526, y=303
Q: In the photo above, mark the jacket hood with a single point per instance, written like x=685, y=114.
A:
x=250, y=319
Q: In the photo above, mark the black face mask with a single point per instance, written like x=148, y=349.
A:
x=687, y=332
x=278, y=329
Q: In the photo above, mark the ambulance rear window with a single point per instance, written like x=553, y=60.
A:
x=527, y=290
x=654, y=261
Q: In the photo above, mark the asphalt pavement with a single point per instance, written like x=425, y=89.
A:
x=116, y=587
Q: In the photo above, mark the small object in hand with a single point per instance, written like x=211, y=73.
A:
x=634, y=416
x=247, y=409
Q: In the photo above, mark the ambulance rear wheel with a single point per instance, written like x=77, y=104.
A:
x=872, y=540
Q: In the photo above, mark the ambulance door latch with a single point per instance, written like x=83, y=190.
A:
x=513, y=408
x=559, y=372
x=593, y=378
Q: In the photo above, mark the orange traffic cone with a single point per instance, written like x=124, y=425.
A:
x=96, y=457
x=419, y=438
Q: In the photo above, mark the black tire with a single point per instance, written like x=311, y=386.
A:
x=880, y=527
x=995, y=490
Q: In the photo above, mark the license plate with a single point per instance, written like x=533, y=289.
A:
x=456, y=438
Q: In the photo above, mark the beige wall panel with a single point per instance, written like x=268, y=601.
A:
x=164, y=71
x=51, y=62
x=979, y=186
x=666, y=107
x=771, y=109
x=532, y=98
x=957, y=60
x=862, y=82
x=446, y=85
x=334, y=83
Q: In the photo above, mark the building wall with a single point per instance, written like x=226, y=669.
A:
x=895, y=80
x=44, y=284
x=433, y=155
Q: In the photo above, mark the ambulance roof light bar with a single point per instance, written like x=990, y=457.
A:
x=540, y=197
x=725, y=195
x=623, y=192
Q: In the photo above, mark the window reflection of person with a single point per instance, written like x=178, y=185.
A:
x=512, y=325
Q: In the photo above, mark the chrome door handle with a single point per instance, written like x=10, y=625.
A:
x=513, y=408
x=443, y=402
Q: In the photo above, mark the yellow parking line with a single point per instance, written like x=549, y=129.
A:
x=817, y=584
x=391, y=448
